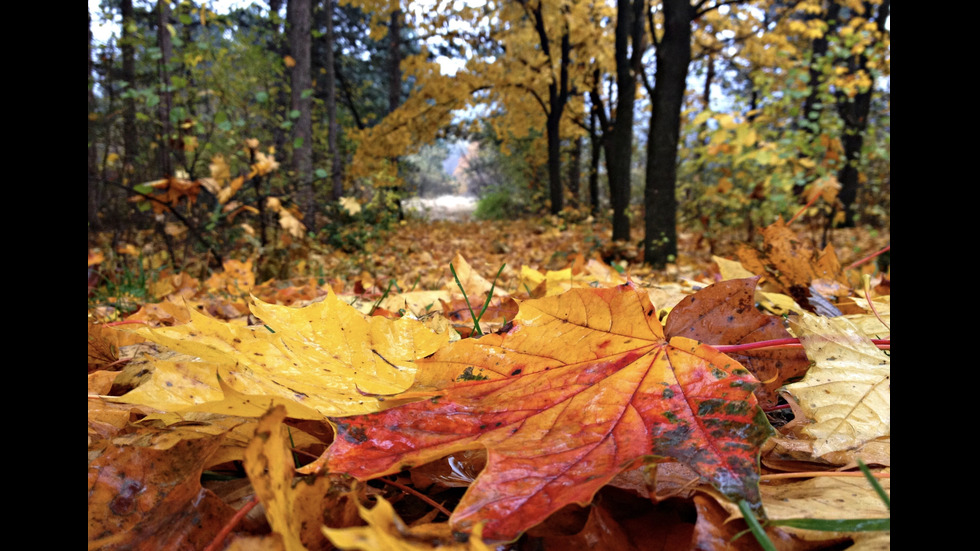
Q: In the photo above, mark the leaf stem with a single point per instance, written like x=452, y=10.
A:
x=814, y=474
x=857, y=263
x=882, y=344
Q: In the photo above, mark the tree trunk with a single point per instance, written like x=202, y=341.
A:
x=165, y=163
x=299, y=16
x=395, y=93
x=673, y=59
x=575, y=171
x=855, y=112
x=595, y=150
x=336, y=177
x=129, y=104
x=93, y=180
x=619, y=142
x=277, y=44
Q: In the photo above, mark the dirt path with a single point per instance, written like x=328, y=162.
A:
x=444, y=207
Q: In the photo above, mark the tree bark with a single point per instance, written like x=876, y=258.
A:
x=575, y=171
x=855, y=112
x=673, y=59
x=619, y=141
x=129, y=104
x=299, y=16
x=595, y=150
x=165, y=163
x=336, y=177
x=93, y=180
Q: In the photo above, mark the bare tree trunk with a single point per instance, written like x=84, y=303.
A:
x=299, y=16
x=595, y=150
x=855, y=112
x=336, y=177
x=93, y=179
x=673, y=59
x=129, y=104
x=575, y=171
x=165, y=164
x=618, y=143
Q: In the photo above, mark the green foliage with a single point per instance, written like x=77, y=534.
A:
x=359, y=232
x=123, y=284
x=496, y=205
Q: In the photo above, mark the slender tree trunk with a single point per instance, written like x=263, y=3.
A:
x=395, y=61
x=395, y=90
x=575, y=171
x=855, y=112
x=277, y=43
x=619, y=142
x=93, y=178
x=595, y=150
x=673, y=60
x=336, y=177
x=129, y=104
x=557, y=98
x=299, y=15
x=165, y=163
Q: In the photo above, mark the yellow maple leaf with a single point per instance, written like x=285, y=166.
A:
x=326, y=357
x=351, y=205
x=386, y=531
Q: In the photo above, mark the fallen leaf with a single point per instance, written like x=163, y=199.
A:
x=327, y=358
x=295, y=508
x=725, y=313
x=847, y=393
x=583, y=387
x=386, y=531
x=791, y=263
x=144, y=491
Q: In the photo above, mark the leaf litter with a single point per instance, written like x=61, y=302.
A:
x=588, y=379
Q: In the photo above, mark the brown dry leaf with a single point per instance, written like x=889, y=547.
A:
x=386, y=531
x=725, y=313
x=144, y=491
x=237, y=279
x=161, y=313
x=792, y=265
x=776, y=303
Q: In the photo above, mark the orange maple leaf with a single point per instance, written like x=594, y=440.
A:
x=583, y=387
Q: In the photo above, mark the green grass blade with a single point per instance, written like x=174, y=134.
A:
x=837, y=525
x=476, y=323
x=874, y=484
x=755, y=527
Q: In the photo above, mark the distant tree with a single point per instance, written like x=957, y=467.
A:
x=617, y=125
x=333, y=127
x=299, y=14
x=164, y=162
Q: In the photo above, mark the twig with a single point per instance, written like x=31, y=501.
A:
x=417, y=494
x=857, y=263
x=814, y=474
x=219, y=540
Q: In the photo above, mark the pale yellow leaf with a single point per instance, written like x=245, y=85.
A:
x=847, y=392
x=386, y=531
